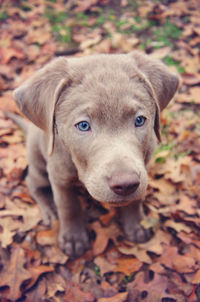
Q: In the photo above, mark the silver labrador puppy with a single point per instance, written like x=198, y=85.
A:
x=95, y=122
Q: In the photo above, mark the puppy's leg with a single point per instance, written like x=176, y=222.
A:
x=73, y=237
x=40, y=190
x=131, y=216
x=37, y=179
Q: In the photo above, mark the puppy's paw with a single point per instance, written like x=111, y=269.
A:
x=137, y=233
x=74, y=243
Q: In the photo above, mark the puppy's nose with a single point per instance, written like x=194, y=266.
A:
x=124, y=184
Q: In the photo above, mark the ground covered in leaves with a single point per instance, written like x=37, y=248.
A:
x=167, y=268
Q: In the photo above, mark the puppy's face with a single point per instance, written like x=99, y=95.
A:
x=106, y=123
x=106, y=110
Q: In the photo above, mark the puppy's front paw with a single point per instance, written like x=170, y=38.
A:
x=137, y=233
x=131, y=216
x=74, y=243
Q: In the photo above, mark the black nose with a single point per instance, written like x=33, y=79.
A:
x=124, y=184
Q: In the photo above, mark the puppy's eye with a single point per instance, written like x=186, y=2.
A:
x=83, y=126
x=140, y=120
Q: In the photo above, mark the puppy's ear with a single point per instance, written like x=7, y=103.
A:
x=37, y=96
x=163, y=82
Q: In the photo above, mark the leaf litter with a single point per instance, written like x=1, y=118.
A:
x=32, y=267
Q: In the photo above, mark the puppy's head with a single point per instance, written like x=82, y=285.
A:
x=106, y=109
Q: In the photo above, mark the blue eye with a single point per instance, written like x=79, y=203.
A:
x=140, y=120
x=83, y=126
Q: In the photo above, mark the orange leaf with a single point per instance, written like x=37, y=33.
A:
x=196, y=278
x=48, y=237
x=103, y=235
x=106, y=219
x=184, y=264
x=37, y=271
x=128, y=265
x=8, y=53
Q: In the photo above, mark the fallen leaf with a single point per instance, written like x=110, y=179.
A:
x=196, y=278
x=74, y=293
x=37, y=293
x=56, y=284
x=9, y=229
x=103, y=235
x=183, y=263
x=128, y=265
x=163, y=185
x=14, y=274
x=48, y=237
x=190, y=78
x=106, y=219
x=194, y=94
x=36, y=272
x=82, y=6
x=6, y=54
x=104, y=265
x=178, y=226
x=120, y=297
x=138, y=252
x=152, y=290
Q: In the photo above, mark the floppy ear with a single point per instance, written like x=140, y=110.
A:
x=163, y=82
x=37, y=96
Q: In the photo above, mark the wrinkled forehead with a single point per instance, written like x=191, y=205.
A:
x=111, y=92
x=116, y=90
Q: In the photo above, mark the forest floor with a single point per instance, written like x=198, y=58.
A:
x=166, y=268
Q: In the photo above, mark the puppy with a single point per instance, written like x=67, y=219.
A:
x=95, y=123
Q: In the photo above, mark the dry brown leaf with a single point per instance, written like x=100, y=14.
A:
x=40, y=36
x=161, y=53
x=138, y=252
x=55, y=284
x=90, y=42
x=107, y=218
x=155, y=289
x=120, y=297
x=74, y=293
x=104, y=265
x=190, y=78
x=7, y=54
x=163, y=185
x=36, y=272
x=195, y=94
x=178, y=226
x=30, y=214
x=38, y=292
x=155, y=245
x=14, y=274
x=103, y=235
x=184, y=263
x=186, y=204
x=196, y=278
x=8, y=229
x=128, y=265
x=48, y=237
x=82, y=6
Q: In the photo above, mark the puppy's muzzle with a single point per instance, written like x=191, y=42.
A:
x=124, y=184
